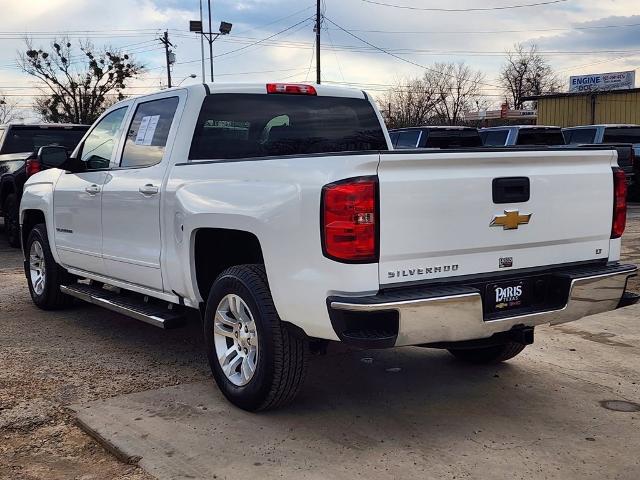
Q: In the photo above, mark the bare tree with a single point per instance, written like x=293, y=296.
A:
x=410, y=102
x=78, y=87
x=526, y=73
x=8, y=109
x=444, y=92
x=459, y=89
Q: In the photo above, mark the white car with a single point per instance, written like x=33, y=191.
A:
x=280, y=212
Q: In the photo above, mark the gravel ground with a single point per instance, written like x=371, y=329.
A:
x=49, y=360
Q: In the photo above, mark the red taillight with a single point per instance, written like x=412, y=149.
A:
x=291, y=89
x=619, y=203
x=32, y=166
x=349, y=220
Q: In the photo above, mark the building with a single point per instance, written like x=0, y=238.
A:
x=587, y=108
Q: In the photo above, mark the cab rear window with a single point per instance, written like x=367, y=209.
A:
x=621, y=135
x=232, y=126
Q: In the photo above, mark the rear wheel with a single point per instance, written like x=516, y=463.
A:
x=495, y=354
x=257, y=361
x=11, y=220
x=44, y=275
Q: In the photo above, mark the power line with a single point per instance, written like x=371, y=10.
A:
x=460, y=10
x=393, y=54
x=479, y=32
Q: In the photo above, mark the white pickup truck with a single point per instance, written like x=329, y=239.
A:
x=281, y=214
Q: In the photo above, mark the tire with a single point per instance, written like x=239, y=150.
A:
x=45, y=289
x=488, y=355
x=11, y=220
x=278, y=354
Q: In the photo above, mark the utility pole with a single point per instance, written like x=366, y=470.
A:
x=165, y=41
x=318, y=23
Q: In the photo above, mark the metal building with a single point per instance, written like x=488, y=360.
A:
x=571, y=109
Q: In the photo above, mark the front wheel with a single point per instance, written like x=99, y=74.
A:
x=486, y=355
x=257, y=361
x=44, y=275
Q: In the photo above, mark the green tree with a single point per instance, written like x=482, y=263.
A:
x=78, y=88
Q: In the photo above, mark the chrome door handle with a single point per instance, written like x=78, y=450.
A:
x=149, y=189
x=92, y=189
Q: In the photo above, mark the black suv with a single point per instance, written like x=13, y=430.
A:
x=443, y=137
x=19, y=145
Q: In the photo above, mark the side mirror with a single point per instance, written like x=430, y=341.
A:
x=52, y=156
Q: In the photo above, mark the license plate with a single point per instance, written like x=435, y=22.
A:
x=504, y=296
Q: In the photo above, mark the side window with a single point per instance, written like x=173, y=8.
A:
x=580, y=135
x=496, y=138
x=408, y=139
x=394, y=138
x=148, y=133
x=98, y=146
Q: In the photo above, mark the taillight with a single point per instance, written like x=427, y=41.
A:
x=291, y=88
x=32, y=166
x=349, y=216
x=619, y=203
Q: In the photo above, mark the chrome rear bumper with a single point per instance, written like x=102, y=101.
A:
x=455, y=314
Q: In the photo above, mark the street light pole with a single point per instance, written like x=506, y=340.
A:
x=202, y=44
x=210, y=40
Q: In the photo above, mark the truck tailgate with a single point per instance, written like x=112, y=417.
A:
x=436, y=211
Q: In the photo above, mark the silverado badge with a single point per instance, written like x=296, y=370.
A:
x=511, y=220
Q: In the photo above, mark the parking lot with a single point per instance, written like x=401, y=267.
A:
x=566, y=408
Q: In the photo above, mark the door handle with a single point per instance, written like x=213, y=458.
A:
x=92, y=189
x=149, y=189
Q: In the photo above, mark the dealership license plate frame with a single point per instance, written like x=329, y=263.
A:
x=508, y=300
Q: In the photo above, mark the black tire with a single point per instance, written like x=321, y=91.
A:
x=281, y=363
x=50, y=297
x=11, y=220
x=487, y=355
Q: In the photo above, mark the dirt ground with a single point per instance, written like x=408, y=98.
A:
x=50, y=360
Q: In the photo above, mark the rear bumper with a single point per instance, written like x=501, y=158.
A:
x=455, y=313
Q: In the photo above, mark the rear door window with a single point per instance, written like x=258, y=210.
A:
x=148, y=133
x=408, y=139
x=232, y=126
x=580, y=135
x=495, y=138
x=540, y=136
x=622, y=135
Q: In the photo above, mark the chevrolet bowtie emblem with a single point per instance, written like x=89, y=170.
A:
x=511, y=220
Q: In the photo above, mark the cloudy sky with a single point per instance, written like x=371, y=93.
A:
x=576, y=36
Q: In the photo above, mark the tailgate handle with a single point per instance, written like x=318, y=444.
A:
x=511, y=190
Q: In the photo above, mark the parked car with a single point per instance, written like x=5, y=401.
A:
x=281, y=213
x=19, y=145
x=524, y=135
x=612, y=134
x=442, y=137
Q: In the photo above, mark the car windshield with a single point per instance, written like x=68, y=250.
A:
x=621, y=135
x=29, y=139
x=540, y=136
x=453, y=139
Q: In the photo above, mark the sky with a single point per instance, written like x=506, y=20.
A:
x=575, y=36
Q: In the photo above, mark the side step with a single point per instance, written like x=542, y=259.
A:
x=157, y=313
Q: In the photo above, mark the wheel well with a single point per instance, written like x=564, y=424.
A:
x=30, y=220
x=217, y=249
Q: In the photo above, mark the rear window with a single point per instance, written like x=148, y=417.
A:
x=30, y=139
x=453, y=139
x=494, y=138
x=538, y=136
x=253, y=125
x=580, y=135
x=622, y=135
